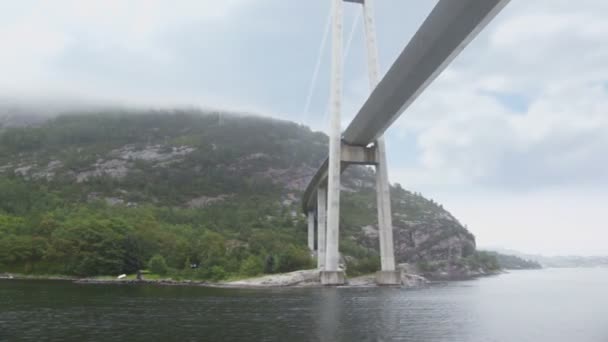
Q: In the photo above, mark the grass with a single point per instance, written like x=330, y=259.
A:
x=145, y=275
x=39, y=276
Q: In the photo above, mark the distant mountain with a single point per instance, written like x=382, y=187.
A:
x=559, y=261
x=18, y=117
x=16, y=112
x=512, y=262
x=103, y=192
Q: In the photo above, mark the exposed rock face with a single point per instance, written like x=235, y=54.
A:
x=203, y=201
x=115, y=164
x=429, y=241
x=23, y=171
x=422, y=229
x=294, y=178
x=114, y=168
x=155, y=153
x=297, y=278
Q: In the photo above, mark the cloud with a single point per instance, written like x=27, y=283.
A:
x=524, y=106
x=109, y=49
x=564, y=221
x=512, y=137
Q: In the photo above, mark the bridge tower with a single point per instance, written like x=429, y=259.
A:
x=448, y=29
x=341, y=155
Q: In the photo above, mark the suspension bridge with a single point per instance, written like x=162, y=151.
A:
x=449, y=28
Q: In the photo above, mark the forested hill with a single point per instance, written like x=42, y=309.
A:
x=102, y=193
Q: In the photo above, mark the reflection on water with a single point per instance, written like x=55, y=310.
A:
x=547, y=305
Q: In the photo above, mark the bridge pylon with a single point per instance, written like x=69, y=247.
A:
x=388, y=274
x=448, y=29
x=341, y=155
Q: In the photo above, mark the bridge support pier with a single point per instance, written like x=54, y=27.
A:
x=388, y=274
x=331, y=275
x=311, y=230
x=321, y=226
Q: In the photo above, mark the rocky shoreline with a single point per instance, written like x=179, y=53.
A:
x=297, y=279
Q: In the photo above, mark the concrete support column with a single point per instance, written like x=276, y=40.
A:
x=321, y=226
x=331, y=275
x=311, y=230
x=385, y=221
x=387, y=275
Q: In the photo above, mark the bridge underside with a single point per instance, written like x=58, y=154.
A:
x=451, y=25
x=444, y=34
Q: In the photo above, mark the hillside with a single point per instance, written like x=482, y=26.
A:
x=513, y=262
x=563, y=261
x=101, y=193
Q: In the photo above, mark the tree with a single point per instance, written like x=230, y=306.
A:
x=252, y=266
x=158, y=265
x=269, y=264
x=294, y=258
x=217, y=273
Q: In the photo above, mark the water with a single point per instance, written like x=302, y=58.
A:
x=546, y=305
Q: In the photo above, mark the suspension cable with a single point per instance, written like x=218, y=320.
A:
x=351, y=35
x=315, y=73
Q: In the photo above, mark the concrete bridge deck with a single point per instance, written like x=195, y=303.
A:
x=443, y=35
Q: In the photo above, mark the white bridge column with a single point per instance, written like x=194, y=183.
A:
x=321, y=226
x=311, y=230
x=385, y=220
x=387, y=275
x=332, y=275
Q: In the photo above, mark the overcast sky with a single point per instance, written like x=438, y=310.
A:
x=512, y=138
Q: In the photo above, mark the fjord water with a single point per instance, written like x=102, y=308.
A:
x=544, y=305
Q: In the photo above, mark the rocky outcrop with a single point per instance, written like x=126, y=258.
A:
x=114, y=168
x=293, y=179
x=428, y=241
x=305, y=277
x=423, y=231
x=204, y=201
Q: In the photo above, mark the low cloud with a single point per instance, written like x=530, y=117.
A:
x=471, y=127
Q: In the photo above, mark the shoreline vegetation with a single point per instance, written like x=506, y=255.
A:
x=296, y=279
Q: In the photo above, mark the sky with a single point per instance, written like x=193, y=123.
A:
x=512, y=138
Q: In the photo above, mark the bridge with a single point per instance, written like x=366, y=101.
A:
x=448, y=29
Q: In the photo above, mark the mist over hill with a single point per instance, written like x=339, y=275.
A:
x=557, y=261
x=104, y=192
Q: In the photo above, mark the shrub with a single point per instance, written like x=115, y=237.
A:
x=252, y=266
x=158, y=265
x=217, y=273
x=366, y=265
x=270, y=264
x=426, y=267
x=294, y=258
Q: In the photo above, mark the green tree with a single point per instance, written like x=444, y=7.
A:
x=252, y=266
x=158, y=265
x=294, y=258
x=217, y=273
